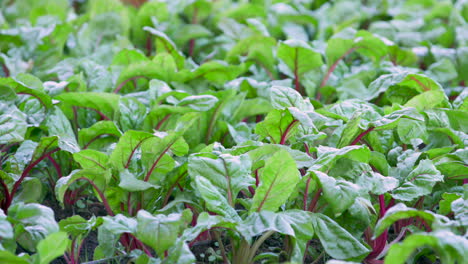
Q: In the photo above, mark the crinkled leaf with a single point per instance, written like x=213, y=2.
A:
x=230, y=174
x=419, y=182
x=337, y=242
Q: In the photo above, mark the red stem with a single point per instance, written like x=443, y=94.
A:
x=306, y=194
x=7, y=194
x=285, y=134
x=24, y=174
x=72, y=254
x=171, y=189
x=121, y=85
x=331, y=69
x=161, y=122
x=192, y=41
x=307, y=149
x=358, y=138
x=149, y=44
x=98, y=137
x=314, y=201
x=101, y=195
x=129, y=205
x=56, y=166
x=257, y=179
x=150, y=171
x=6, y=70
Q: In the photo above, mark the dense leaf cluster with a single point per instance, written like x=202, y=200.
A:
x=262, y=131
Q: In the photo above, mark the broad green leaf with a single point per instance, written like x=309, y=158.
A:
x=8, y=257
x=190, y=31
x=156, y=152
x=351, y=130
x=126, y=57
x=160, y=231
x=13, y=124
x=339, y=194
x=25, y=84
x=46, y=146
x=398, y=212
x=257, y=48
x=450, y=247
x=77, y=226
x=391, y=121
x=445, y=205
x=428, y=100
x=215, y=71
x=164, y=44
x=143, y=18
x=205, y=222
x=110, y=231
x=376, y=183
x=409, y=130
x=124, y=151
x=299, y=56
x=294, y=223
x=105, y=103
x=6, y=229
x=129, y=182
x=91, y=159
x=277, y=182
x=285, y=97
x=31, y=191
x=199, y=102
x=33, y=223
x=443, y=71
x=337, y=242
x=277, y=125
x=59, y=126
x=230, y=174
x=131, y=113
x=99, y=130
x=215, y=201
x=419, y=182
x=97, y=177
x=327, y=157
x=402, y=85
x=52, y=247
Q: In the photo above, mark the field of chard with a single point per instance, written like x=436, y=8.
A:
x=223, y=131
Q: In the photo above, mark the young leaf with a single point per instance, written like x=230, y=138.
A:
x=160, y=231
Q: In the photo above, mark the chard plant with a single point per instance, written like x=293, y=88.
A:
x=233, y=131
